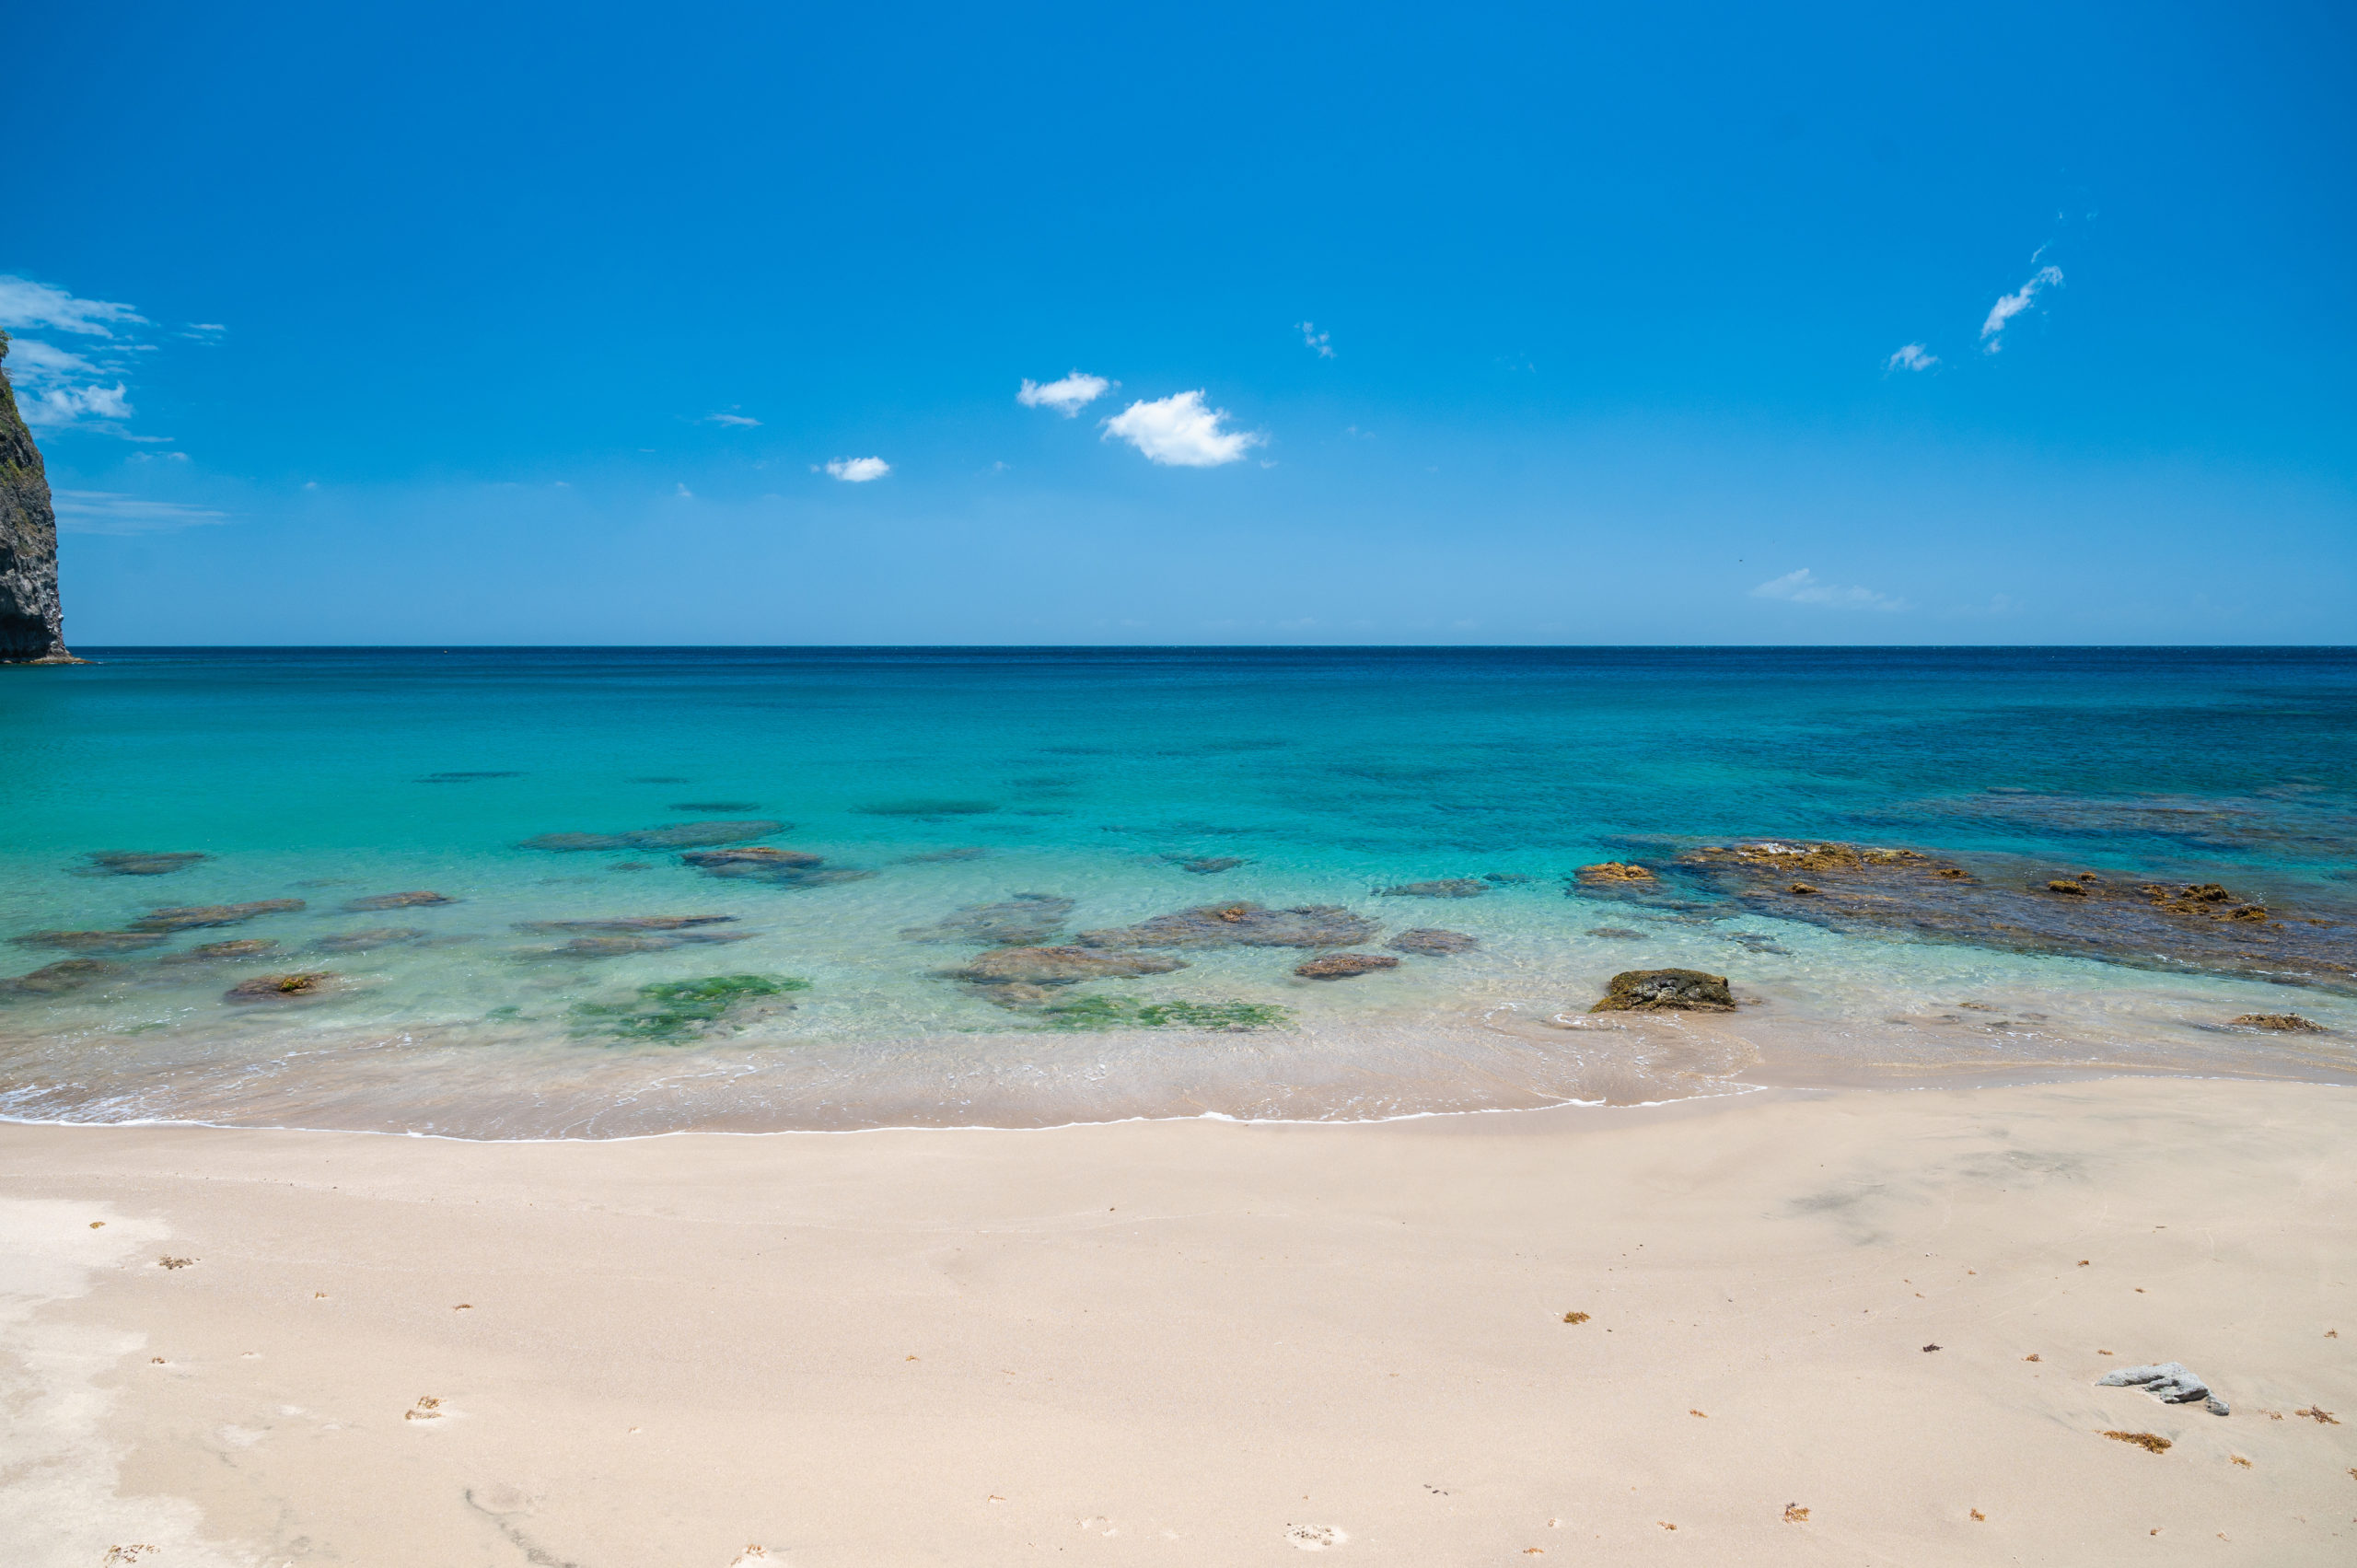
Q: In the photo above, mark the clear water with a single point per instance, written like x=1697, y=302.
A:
x=330, y=775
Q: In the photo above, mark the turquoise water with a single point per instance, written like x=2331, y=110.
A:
x=958, y=778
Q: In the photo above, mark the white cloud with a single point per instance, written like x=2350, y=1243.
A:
x=1910, y=356
x=24, y=303
x=108, y=512
x=1067, y=396
x=729, y=417
x=1802, y=587
x=1318, y=342
x=858, y=471
x=684, y=494
x=2011, y=305
x=1178, y=430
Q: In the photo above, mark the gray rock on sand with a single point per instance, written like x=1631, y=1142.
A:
x=1057, y=966
x=1432, y=943
x=190, y=917
x=1345, y=966
x=1652, y=991
x=1447, y=887
x=1240, y=925
x=422, y=899
x=2168, y=1382
x=141, y=863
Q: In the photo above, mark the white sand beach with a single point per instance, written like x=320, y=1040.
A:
x=1856, y=1328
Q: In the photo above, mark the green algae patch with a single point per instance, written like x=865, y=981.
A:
x=670, y=1012
x=1129, y=1013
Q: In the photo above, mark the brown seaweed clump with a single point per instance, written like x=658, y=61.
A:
x=140, y=863
x=1447, y=887
x=1655, y=991
x=1432, y=943
x=1615, y=871
x=2283, y=1023
x=1345, y=966
x=189, y=917
x=422, y=899
x=283, y=987
x=2151, y=1442
x=1241, y=925
x=2206, y=898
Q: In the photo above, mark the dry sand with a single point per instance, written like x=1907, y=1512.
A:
x=1200, y=1343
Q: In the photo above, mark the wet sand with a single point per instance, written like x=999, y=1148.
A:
x=1202, y=1342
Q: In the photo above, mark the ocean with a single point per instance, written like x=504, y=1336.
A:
x=587, y=950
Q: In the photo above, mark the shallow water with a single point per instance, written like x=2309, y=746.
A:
x=960, y=778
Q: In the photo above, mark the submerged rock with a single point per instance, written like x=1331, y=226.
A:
x=90, y=941
x=1240, y=925
x=628, y=922
x=673, y=1012
x=1610, y=871
x=779, y=868
x=679, y=835
x=1344, y=966
x=1023, y=920
x=1651, y=990
x=190, y=917
x=65, y=976
x=367, y=941
x=469, y=776
x=927, y=808
x=1432, y=942
x=284, y=987
x=1205, y=865
x=1057, y=966
x=1616, y=933
x=2283, y=1023
x=945, y=856
x=141, y=863
x=623, y=943
x=715, y=805
x=420, y=899
x=1448, y=888
x=2168, y=1382
x=1507, y=878
x=224, y=952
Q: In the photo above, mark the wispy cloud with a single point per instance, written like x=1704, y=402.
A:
x=1802, y=587
x=1910, y=356
x=87, y=387
x=109, y=512
x=1067, y=396
x=1179, y=431
x=24, y=303
x=1317, y=342
x=858, y=471
x=729, y=417
x=1992, y=330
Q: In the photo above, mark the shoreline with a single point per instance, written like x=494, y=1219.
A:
x=1186, y=1340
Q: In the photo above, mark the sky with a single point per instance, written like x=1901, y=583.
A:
x=1268, y=324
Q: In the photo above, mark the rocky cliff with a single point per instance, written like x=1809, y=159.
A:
x=31, y=624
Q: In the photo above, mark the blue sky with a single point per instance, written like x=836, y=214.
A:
x=1548, y=324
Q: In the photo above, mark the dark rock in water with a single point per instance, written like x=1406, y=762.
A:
x=1022, y=921
x=778, y=867
x=628, y=922
x=1205, y=865
x=1610, y=871
x=59, y=979
x=1343, y=966
x=660, y=778
x=945, y=856
x=715, y=805
x=2283, y=1023
x=630, y=865
x=141, y=863
x=1016, y=996
x=1240, y=925
x=190, y=917
x=1450, y=887
x=681, y=835
x=927, y=808
x=673, y=1012
x=467, y=777
x=367, y=941
x=31, y=626
x=1616, y=933
x=1507, y=878
x=2198, y=926
x=420, y=899
x=625, y=943
x=1432, y=943
x=1057, y=966
x=224, y=952
x=1757, y=942
x=90, y=941
x=1650, y=990
x=284, y=987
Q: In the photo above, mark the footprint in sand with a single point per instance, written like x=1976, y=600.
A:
x=1314, y=1538
x=1101, y=1525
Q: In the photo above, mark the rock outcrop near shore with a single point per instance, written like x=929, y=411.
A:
x=31, y=626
